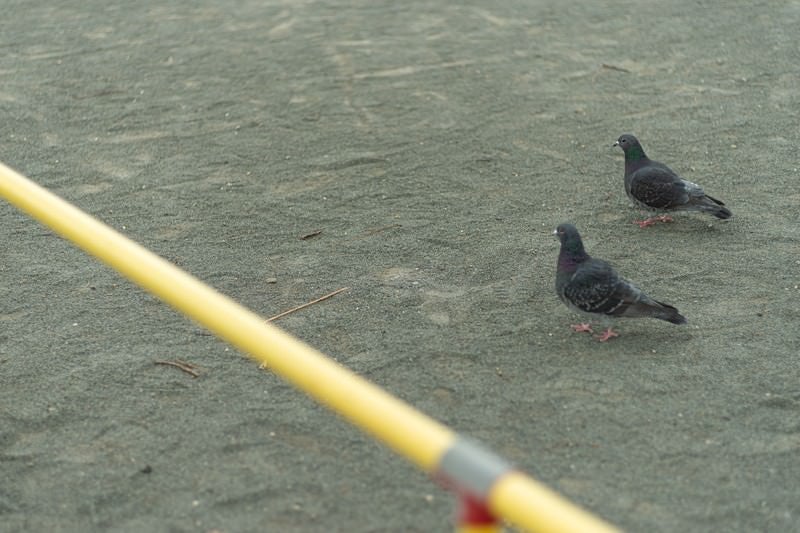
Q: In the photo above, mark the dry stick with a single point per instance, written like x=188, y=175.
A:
x=310, y=235
x=382, y=228
x=614, y=67
x=189, y=368
x=370, y=233
x=321, y=298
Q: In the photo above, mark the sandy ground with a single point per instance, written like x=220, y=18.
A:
x=435, y=145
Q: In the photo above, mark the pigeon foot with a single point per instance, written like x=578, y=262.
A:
x=582, y=327
x=652, y=220
x=606, y=335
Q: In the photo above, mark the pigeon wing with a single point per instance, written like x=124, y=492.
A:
x=658, y=187
x=594, y=288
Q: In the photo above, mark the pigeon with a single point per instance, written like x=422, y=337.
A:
x=592, y=286
x=656, y=187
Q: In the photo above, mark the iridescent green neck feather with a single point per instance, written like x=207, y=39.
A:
x=635, y=153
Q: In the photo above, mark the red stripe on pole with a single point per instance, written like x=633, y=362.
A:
x=474, y=512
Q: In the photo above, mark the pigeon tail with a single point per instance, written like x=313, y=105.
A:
x=712, y=206
x=722, y=213
x=670, y=314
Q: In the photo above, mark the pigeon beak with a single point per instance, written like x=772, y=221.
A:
x=615, y=144
x=555, y=232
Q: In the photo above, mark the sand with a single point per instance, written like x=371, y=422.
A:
x=434, y=146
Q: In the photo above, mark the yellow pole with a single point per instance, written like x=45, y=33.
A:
x=410, y=433
x=414, y=435
x=511, y=498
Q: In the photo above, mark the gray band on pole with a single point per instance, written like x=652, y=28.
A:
x=472, y=466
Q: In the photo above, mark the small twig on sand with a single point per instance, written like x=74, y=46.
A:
x=614, y=67
x=382, y=228
x=310, y=235
x=374, y=231
x=189, y=368
x=321, y=298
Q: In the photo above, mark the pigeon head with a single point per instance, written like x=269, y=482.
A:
x=572, y=251
x=630, y=145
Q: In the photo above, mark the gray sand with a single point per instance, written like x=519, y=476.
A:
x=436, y=146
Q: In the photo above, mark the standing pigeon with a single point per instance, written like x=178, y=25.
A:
x=592, y=286
x=655, y=187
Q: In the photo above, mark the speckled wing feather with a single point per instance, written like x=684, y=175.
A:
x=657, y=187
x=595, y=288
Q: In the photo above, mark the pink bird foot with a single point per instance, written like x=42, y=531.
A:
x=580, y=328
x=652, y=220
x=606, y=335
